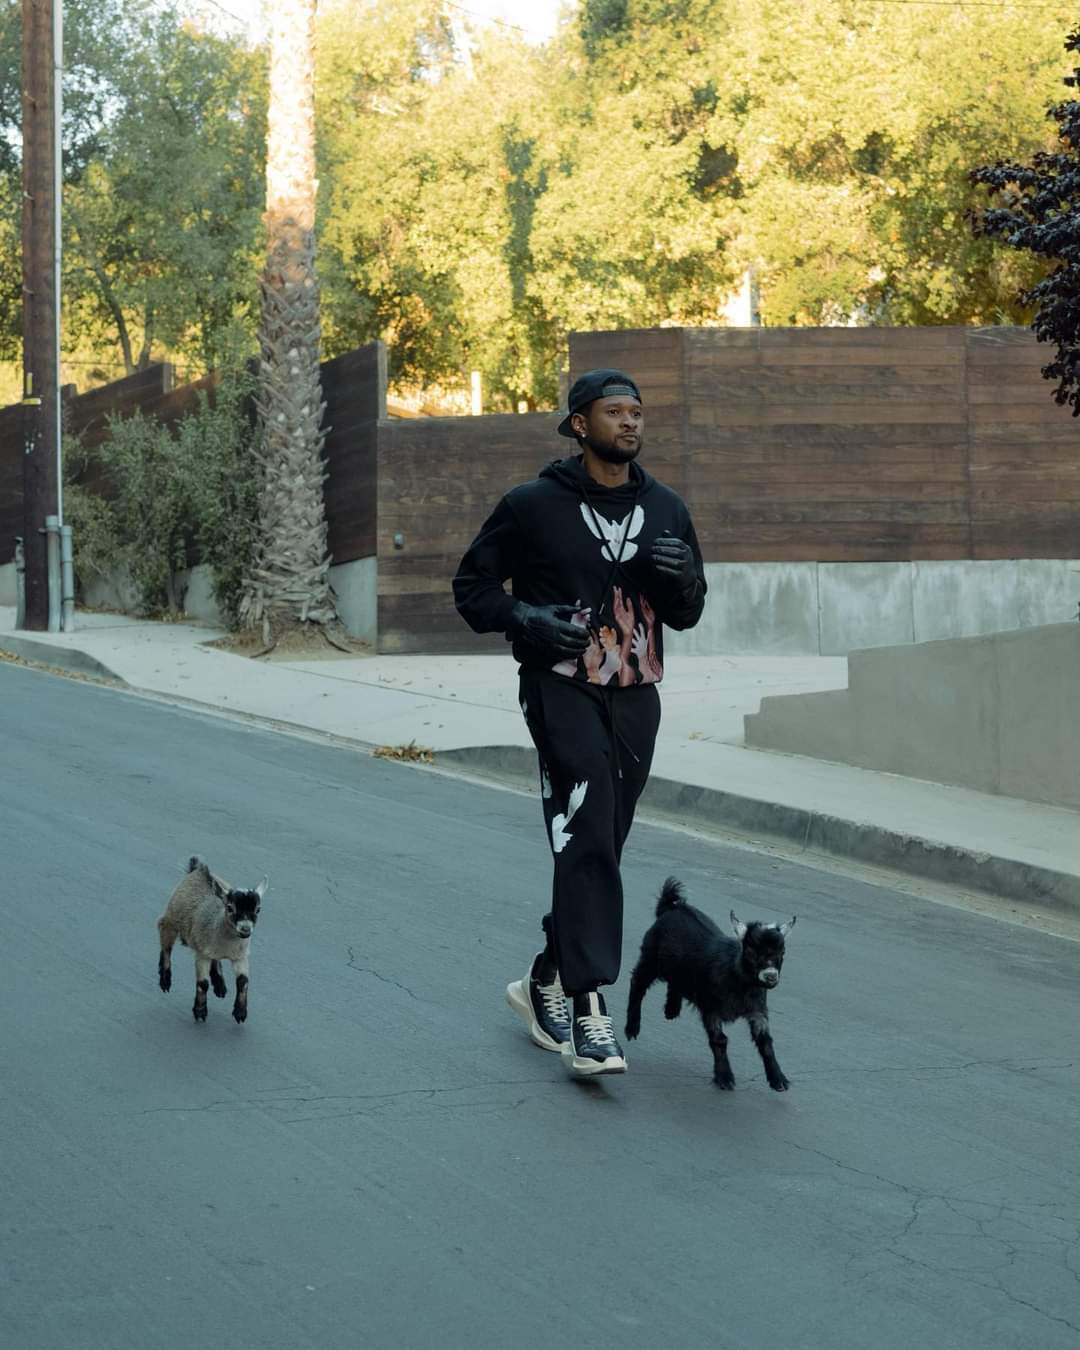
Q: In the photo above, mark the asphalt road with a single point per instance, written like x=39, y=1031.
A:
x=380, y=1158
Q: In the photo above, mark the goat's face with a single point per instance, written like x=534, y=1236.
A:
x=762, y=949
x=242, y=909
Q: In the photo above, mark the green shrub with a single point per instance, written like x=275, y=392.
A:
x=176, y=493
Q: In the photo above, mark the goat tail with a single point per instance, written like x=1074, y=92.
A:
x=194, y=864
x=671, y=896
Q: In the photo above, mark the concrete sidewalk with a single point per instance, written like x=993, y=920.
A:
x=464, y=708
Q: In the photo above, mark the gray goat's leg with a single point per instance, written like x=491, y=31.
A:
x=202, y=986
x=217, y=980
x=167, y=934
x=759, y=1030
x=714, y=1029
x=240, y=971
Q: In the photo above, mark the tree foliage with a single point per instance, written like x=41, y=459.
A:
x=631, y=170
x=479, y=201
x=163, y=133
x=1039, y=215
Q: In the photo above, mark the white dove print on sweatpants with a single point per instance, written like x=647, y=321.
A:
x=560, y=836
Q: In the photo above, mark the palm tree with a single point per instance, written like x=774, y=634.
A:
x=288, y=586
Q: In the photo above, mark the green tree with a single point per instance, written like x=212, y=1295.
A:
x=164, y=222
x=860, y=123
x=163, y=129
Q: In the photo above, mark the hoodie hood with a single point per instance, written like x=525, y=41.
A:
x=571, y=473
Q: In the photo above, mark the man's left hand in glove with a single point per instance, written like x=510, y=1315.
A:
x=674, y=560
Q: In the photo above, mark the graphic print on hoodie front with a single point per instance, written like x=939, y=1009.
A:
x=565, y=539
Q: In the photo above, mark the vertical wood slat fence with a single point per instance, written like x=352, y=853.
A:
x=829, y=445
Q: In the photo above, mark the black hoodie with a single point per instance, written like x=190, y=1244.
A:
x=567, y=540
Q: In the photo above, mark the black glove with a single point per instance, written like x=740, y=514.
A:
x=674, y=560
x=548, y=628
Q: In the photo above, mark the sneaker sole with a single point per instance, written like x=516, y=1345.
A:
x=591, y=1068
x=518, y=998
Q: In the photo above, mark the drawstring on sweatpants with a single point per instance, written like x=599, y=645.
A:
x=608, y=698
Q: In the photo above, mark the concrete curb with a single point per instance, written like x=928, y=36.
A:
x=69, y=659
x=815, y=831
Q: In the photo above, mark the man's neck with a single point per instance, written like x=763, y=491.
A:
x=602, y=472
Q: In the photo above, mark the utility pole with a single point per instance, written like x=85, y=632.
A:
x=41, y=299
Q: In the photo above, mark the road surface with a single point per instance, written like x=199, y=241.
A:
x=380, y=1158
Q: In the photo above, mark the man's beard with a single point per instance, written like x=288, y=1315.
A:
x=613, y=454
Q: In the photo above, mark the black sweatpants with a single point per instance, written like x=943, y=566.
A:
x=595, y=746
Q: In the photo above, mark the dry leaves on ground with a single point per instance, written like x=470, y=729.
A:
x=411, y=753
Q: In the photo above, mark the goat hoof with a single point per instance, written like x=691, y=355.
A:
x=240, y=1014
x=726, y=1084
x=632, y=1032
x=199, y=1013
x=165, y=981
x=780, y=1084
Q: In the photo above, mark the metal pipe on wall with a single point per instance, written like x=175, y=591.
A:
x=20, y=583
x=52, y=531
x=67, y=579
x=58, y=235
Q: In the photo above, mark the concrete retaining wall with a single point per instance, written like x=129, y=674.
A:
x=830, y=609
x=353, y=583
x=819, y=609
x=997, y=713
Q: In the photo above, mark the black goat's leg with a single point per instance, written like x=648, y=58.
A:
x=217, y=980
x=643, y=976
x=240, y=970
x=714, y=1029
x=202, y=987
x=673, y=1003
x=759, y=1030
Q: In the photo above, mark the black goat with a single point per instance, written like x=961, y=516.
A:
x=724, y=978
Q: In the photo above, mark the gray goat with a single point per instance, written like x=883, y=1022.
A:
x=216, y=922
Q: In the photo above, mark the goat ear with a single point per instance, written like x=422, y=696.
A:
x=737, y=926
x=260, y=890
x=785, y=928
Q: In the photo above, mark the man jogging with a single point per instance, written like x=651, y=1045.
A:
x=601, y=556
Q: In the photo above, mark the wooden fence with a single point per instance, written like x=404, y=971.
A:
x=830, y=445
x=354, y=387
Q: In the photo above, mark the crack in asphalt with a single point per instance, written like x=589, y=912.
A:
x=1028, y=1066
x=367, y=970
x=1011, y=1249
x=428, y=1094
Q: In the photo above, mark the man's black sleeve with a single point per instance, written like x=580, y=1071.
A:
x=682, y=609
x=494, y=555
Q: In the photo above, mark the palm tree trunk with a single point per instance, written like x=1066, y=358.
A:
x=289, y=580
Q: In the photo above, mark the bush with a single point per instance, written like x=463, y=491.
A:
x=177, y=494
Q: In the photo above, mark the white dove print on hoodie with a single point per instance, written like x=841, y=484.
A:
x=614, y=531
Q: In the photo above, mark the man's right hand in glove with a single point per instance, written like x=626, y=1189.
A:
x=548, y=628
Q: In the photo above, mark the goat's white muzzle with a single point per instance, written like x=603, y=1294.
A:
x=769, y=977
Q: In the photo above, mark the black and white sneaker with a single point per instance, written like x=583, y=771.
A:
x=592, y=1047
x=543, y=1007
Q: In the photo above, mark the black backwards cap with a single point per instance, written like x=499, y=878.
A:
x=592, y=385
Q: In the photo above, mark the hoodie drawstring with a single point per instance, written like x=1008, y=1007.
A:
x=607, y=696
